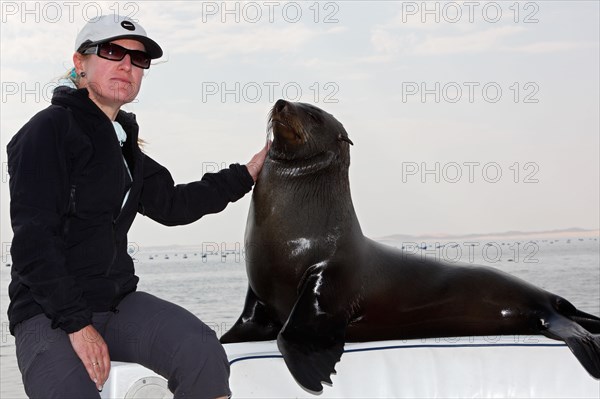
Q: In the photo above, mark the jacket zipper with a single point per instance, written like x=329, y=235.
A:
x=71, y=209
x=113, y=306
x=114, y=226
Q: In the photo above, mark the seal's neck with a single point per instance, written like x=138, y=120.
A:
x=321, y=197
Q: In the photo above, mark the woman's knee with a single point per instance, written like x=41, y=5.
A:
x=201, y=368
x=199, y=349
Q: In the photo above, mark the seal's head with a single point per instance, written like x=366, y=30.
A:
x=306, y=139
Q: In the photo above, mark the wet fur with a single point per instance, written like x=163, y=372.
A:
x=342, y=286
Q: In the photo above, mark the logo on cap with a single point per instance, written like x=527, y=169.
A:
x=128, y=25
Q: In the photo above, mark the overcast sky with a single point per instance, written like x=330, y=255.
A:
x=466, y=117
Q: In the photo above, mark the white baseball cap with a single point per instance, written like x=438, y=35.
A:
x=107, y=28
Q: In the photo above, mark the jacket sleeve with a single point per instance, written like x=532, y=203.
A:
x=39, y=189
x=172, y=205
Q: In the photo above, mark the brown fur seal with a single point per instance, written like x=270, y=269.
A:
x=316, y=282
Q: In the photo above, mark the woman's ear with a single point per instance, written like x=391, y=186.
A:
x=78, y=62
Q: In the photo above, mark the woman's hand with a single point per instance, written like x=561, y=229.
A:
x=256, y=163
x=93, y=352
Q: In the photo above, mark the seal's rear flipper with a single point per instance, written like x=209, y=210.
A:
x=312, y=339
x=256, y=323
x=587, y=321
x=584, y=345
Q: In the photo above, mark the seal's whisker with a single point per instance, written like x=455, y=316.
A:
x=341, y=137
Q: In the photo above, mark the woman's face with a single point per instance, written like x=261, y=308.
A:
x=111, y=83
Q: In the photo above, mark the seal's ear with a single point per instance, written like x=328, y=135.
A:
x=345, y=138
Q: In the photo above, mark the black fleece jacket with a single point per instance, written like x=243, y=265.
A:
x=67, y=184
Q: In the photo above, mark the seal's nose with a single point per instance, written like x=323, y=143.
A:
x=280, y=106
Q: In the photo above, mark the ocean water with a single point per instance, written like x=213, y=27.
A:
x=214, y=287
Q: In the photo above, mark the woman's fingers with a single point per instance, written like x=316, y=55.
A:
x=256, y=163
x=93, y=352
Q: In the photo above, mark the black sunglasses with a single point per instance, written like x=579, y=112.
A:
x=114, y=52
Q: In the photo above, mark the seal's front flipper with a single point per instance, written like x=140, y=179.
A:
x=257, y=323
x=311, y=361
x=312, y=339
x=584, y=345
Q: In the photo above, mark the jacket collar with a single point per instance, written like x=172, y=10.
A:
x=85, y=109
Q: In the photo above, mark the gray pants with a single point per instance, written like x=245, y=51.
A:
x=146, y=330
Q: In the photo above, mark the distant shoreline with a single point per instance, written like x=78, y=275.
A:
x=548, y=234
x=563, y=233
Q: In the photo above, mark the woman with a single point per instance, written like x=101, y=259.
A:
x=77, y=180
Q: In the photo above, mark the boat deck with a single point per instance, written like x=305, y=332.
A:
x=482, y=367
